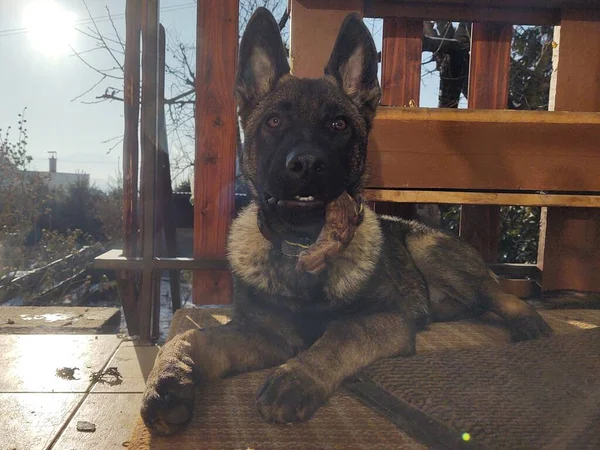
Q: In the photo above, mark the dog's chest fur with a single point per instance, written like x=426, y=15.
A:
x=254, y=260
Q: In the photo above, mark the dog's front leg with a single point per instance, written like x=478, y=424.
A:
x=296, y=389
x=200, y=356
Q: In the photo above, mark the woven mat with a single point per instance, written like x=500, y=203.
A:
x=226, y=417
x=542, y=394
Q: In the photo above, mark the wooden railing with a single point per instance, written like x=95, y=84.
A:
x=482, y=157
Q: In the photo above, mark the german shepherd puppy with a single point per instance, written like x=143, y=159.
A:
x=305, y=145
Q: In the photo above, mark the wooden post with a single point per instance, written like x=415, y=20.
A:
x=401, y=62
x=313, y=30
x=127, y=280
x=571, y=244
x=216, y=58
x=165, y=192
x=400, y=81
x=131, y=118
x=149, y=136
x=488, y=89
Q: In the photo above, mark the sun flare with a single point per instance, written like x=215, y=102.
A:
x=50, y=27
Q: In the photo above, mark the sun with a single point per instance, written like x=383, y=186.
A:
x=50, y=27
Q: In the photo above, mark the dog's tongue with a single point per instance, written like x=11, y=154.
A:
x=341, y=219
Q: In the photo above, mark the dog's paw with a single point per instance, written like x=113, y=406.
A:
x=168, y=400
x=526, y=328
x=290, y=395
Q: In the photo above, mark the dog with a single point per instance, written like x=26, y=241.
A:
x=305, y=144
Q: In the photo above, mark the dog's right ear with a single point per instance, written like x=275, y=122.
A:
x=262, y=59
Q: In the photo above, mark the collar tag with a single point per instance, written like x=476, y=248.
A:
x=293, y=249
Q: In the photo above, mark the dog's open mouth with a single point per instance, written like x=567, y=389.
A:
x=299, y=202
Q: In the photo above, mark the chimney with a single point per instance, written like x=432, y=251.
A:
x=52, y=160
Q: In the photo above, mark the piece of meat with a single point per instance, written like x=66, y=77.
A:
x=341, y=219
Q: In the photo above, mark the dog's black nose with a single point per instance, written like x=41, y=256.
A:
x=306, y=162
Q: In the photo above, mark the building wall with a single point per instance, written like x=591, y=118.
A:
x=59, y=179
x=62, y=179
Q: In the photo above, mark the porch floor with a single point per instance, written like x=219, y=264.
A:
x=47, y=387
x=47, y=382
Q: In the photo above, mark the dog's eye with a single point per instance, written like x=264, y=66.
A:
x=274, y=121
x=339, y=124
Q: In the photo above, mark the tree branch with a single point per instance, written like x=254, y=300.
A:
x=103, y=73
x=284, y=19
x=100, y=35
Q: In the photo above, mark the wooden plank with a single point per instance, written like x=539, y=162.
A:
x=131, y=113
x=418, y=148
x=114, y=259
x=59, y=320
x=134, y=363
x=516, y=270
x=314, y=27
x=149, y=136
x=216, y=57
x=114, y=417
x=31, y=421
x=488, y=88
x=401, y=62
x=572, y=250
x=126, y=281
x=571, y=244
x=483, y=198
x=525, y=4
x=401, y=81
x=30, y=362
x=520, y=288
x=490, y=66
x=463, y=12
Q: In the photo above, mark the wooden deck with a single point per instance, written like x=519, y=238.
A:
x=41, y=401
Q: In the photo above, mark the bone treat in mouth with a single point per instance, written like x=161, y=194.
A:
x=341, y=219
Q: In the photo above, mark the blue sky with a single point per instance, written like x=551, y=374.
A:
x=37, y=76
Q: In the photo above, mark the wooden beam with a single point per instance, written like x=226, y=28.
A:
x=488, y=88
x=515, y=270
x=571, y=244
x=114, y=259
x=131, y=104
x=483, y=198
x=419, y=148
x=524, y=4
x=462, y=12
x=401, y=81
x=401, y=62
x=216, y=57
x=149, y=136
x=314, y=27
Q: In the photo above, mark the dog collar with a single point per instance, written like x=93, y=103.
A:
x=286, y=247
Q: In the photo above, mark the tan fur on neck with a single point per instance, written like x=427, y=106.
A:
x=248, y=254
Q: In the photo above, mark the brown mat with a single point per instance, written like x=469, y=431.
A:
x=542, y=394
x=226, y=417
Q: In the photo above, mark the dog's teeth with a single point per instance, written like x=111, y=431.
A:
x=272, y=200
x=310, y=198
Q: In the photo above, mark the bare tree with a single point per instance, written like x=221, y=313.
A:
x=180, y=77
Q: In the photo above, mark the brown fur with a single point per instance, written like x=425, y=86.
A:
x=249, y=257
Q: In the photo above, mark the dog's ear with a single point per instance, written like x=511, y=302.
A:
x=262, y=59
x=353, y=63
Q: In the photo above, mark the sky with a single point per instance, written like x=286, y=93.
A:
x=40, y=72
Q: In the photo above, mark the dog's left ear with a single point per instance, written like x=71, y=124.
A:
x=353, y=63
x=262, y=59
